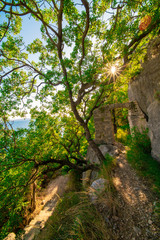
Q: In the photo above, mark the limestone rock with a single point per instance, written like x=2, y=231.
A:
x=105, y=148
x=91, y=157
x=144, y=89
x=154, y=128
x=97, y=187
x=11, y=236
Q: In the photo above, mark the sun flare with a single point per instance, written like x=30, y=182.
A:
x=113, y=70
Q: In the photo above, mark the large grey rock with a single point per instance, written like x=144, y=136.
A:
x=96, y=188
x=136, y=118
x=105, y=148
x=143, y=90
x=154, y=128
x=89, y=175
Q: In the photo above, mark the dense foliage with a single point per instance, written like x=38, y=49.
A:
x=70, y=76
x=30, y=155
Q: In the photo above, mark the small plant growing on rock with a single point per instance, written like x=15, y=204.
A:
x=157, y=95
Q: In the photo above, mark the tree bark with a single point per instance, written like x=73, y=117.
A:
x=75, y=182
x=114, y=121
x=33, y=197
x=93, y=145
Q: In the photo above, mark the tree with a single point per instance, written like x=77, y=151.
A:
x=73, y=24
x=30, y=155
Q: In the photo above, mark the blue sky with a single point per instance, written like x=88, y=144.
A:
x=30, y=29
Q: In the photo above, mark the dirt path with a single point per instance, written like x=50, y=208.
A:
x=136, y=220
x=50, y=196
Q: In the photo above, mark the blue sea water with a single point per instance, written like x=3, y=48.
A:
x=20, y=123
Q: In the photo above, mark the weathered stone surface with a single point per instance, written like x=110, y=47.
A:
x=103, y=126
x=96, y=188
x=11, y=236
x=144, y=87
x=154, y=128
x=91, y=157
x=136, y=118
x=143, y=90
x=105, y=148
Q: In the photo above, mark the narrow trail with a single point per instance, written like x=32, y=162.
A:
x=134, y=219
x=136, y=203
x=51, y=195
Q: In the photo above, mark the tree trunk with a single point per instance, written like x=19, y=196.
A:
x=94, y=146
x=33, y=197
x=114, y=121
x=85, y=127
x=75, y=180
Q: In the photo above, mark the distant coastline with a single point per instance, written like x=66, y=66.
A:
x=19, y=123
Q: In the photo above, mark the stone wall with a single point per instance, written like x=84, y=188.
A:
x=103, y=126
x=145, y=90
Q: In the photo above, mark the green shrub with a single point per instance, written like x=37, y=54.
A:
x=107, y=166
x=139, y=155
x=121, y=135
x=139, y=141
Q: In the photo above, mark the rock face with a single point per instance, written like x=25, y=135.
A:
x=154, y=128
x=92, y=175
x=145, y=90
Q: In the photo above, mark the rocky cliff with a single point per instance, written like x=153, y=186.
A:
x=145, y=90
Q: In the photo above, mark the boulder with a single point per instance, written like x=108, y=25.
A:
x=96, y=188
x=89, y=175
x=11, y=236
x=105, y=148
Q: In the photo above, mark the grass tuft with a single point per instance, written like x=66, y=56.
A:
x=75, y=218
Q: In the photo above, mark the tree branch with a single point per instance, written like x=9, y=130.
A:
x=136, y=40
x=86, y=5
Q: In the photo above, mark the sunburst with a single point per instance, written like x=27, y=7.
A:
x=112, y=70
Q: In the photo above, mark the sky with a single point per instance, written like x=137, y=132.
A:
x=30, y=29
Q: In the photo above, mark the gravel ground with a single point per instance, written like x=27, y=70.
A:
x=135, y=219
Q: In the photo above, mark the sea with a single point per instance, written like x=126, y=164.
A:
x=19, y=123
